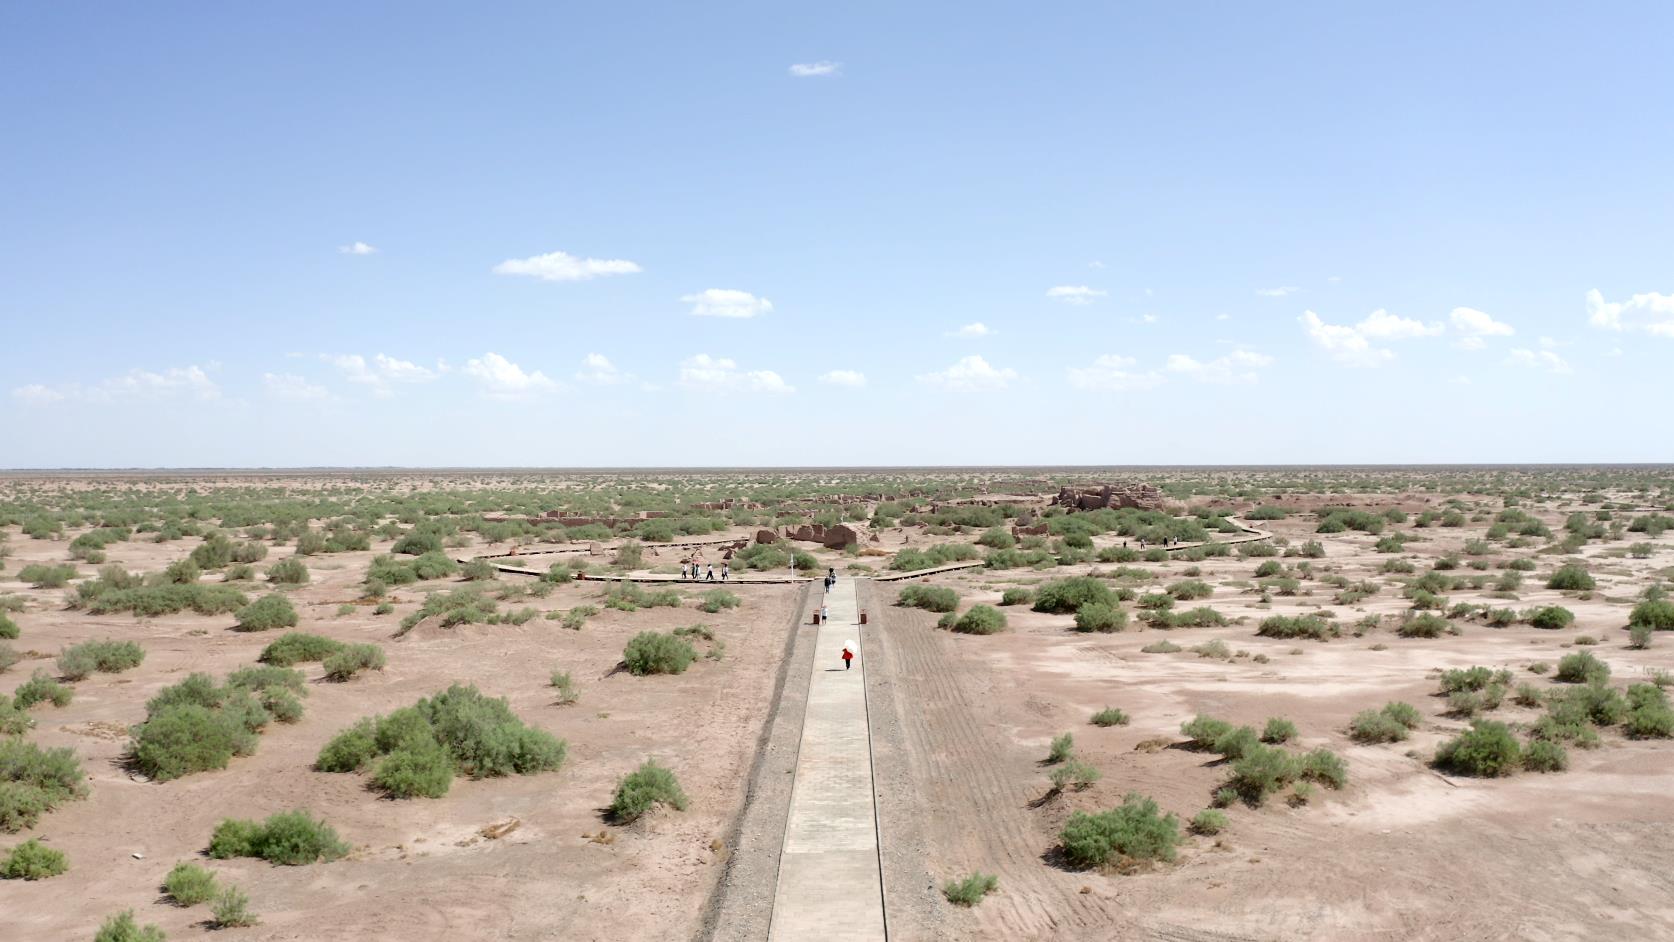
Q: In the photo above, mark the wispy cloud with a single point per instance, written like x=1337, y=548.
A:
x=972, y=331
x=1352, y=345
x=136, y=384
x=821, y=69
x=561, y=266
x=597, y=369
x=970, y=374
x=852, y=378
x=357, y=248
x=1237, y=367
x=1075, y=294
x=721, y=374
x=1113, y=373
x=1280, y=292
x=293, y=388
x=381, y=373
x=727, y=302
x=1651, y=312
x=500, y=378
x=1539, y=360
x=1469, y=322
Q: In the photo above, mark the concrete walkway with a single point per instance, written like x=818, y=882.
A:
x=830, y=887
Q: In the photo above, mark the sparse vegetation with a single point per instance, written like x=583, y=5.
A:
x=1135, y=832
x=644, y=788
x=291, y=838
x=970, y=890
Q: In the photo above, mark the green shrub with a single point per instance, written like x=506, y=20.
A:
x=650, y=652
x=1161, y=647
x=46, y=575
x=290, y=838
x=41, y=688
x=1656, y=614
x=1278, y=730
x=8, y=628
x=13, y=721
x=1072, y=774
x=1017, y=597
x=153, y=600
x=565, y=687
x=349, y=751
x=417, y=768
x=296, y=647
x=1062, y=748
x=1323, y=766
x=1203, y=731
x=1486, y=750
x=1545, y=756
x=231, y=908
x=289, y=571
x=1097, y=616
x=33, y=781
x=110, y=657
x=650, y=784
x=716, y=600
x=1649, y=715
x=1639, y=638
x=1135, y=831
x=1571, y=577
x=1236, y=743
x=1209, y=822
x=1260, y=772
x=32, y=860
x=451, y=609
x=1062, y=596
x=970, y=890
x=1110, y=716
x=351, y=660
x=1582, y=668
x=1188, y=590
x=1300, y=626
x=182, y=739
x=929, y=597
x=266, y=613
x=189, y=884
x=1473, y=678
x=1552, y=617
x=1424, y=626
x=122, y=928
x=980, y=620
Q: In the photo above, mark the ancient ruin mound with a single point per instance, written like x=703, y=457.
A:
x=1120, y=494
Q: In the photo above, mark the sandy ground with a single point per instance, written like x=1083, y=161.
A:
x=419, y=868
x=1402, y=853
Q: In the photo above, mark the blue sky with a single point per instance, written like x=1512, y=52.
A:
x=761, y=234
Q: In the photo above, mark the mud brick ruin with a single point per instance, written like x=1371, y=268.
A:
x=1114, y=495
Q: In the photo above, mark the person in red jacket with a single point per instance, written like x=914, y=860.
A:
x=848, y=658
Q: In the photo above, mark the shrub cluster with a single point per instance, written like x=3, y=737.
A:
x=291, y=838
x=1392, y=723
x=33, y=860
x=643, y=788
x=122, y=928
x=977, y=620
x=651, y=652
x=912, y=560
x=1134, y=832
x=1063, y=596
x=418, y=749
x=110, y=657
x=267, y=613
x=33, y=781
x=1298, y=626
x=1486, y=750
x=195, y=725
x=716, y=600
x=970, y=890
x=929, y=597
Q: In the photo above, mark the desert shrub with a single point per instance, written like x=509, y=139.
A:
x=1398, y=567
x=478, y=570
x=564, y=686
x=1097, y=616
x=1278, y=730
x=1110, y=716
x=8, y=628
x=1486, y=750
x=1656, y=614
x=351, y=750
x=650, y=652
x=103, y=598
x=1571, y=577
x=1203, y=731
x=1323, y=766
x=122, y=928
x=577, y=617
x=641, y=789
x=1236, y=743
x=41, y=688
x=1135, y=831
x=997, y=538
x=266, y=613
x=185, y=738
x=1649, y=715
x=13, y=721
x=1188, y=590
x=1472, y=678
x=231, y=909
x=1299, y=626
x=1639, y=638
x=1062, y=748
x=46, y=575
x=453, y=608
x=110, y=657
x=1255, y=550
x=1375, y=726
x=1271, y=567
x=296, y=647
x=1543, y=755
x=1260, y=772
x=1061, y=596
x=716, y=600
x=970, y=890
x=34, y=781
x=351, y=660
x=929, y=597
x=980, y=620
x=1425, y=625
x=1161, y=647
x=1551, y=617
x=1017, y=597
x=910, y=560
x=189, y=884
x=1156, y=601
x=288, y=571
x=1582, y=667
x=32, y=860
x=1209, y=822
x=1072, y=774
x=290, y=838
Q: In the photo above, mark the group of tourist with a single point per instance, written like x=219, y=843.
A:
x=690, y=571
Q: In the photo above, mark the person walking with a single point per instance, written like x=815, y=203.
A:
x=848, y=657
x=682, y=570
x=709, y=574
x=825, y=613
x=831, y=574
x=726, y=570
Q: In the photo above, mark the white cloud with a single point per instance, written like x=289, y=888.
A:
x=357, y=248
x=1539, y=360
x=134, y=384
x=1344, y=344
x=1112, y=373
x=721, y=374
x=381, y=372
x=500, y=378
x=726, y=302
x=1280, y=292
x=1239, y=366
x=1382, y=325
x=1223, y=317
x=1549, y=344
x=1095, y=264
x=1472, y=325
x=1148, y=318
x=978, y=329
x=1460, y=380
x=293, y=388
x=821, y=69
x=970, y=374
x=1075, y=294
x=1651, y=312
x=843, y=378
x=561, y=266
x=597, y=369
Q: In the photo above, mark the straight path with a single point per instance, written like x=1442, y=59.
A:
x=830, y=886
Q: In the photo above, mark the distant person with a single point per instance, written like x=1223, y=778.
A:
x=825, y=614
x=726, y=570
x=683, y=570
x=709, y=574
x=832, y=575
x=848, y=658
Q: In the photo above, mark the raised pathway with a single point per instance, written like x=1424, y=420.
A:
x=830, y=886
